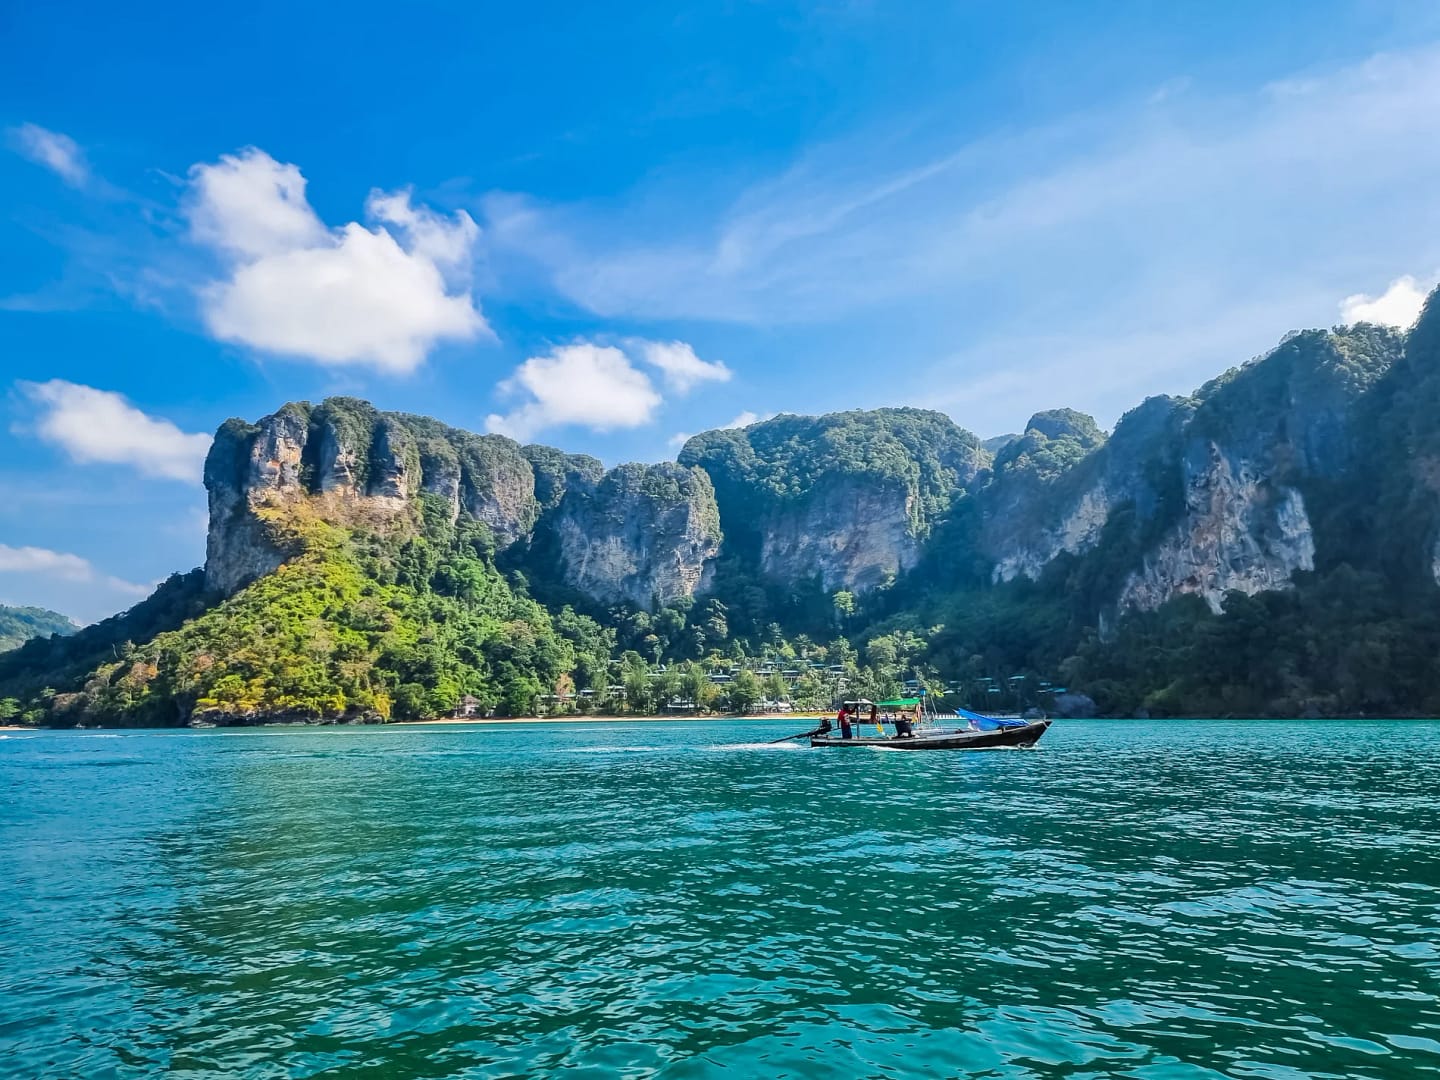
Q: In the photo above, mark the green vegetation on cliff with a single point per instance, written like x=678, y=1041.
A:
x=362, y=624
x=780, y=462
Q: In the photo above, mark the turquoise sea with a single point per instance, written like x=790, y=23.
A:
x=1133, y=899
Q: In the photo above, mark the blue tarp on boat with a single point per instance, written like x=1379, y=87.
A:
x=988, y=723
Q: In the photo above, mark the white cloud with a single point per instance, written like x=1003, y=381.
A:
x=250, y=205
x=33, y=560
x=58, y=153
x=382, y=296
x=681, y=368
x=1399, y=305
x=447, y=243
x=62, y=566
x=98, y=426
x=593, y=386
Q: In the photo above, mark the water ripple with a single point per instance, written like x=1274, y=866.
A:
x=1136, y=899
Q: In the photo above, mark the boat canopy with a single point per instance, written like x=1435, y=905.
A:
x=899, y=703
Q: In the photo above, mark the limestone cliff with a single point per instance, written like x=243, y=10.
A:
x=847, y=499
x=644, y=534
x=1203, y=494
x=1200, y=494
x=1025, y=524
x=1260, y=437
x=637, y=533
x=357, y=463
x=1239, y=531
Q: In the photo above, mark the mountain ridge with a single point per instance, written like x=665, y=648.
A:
x=883, y=528
x=19, y=624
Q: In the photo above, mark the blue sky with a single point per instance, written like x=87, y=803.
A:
x=604, y=226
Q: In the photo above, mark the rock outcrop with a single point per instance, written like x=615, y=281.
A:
x=1258, y=438
x=363, y=465
x=1029, y=518
x=846, y=499
x=1200, y=495
x=638, y=533
x=1208, y=492
x=1239, y=532
x=645, y=534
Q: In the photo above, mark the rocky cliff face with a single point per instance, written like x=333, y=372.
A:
x=1212, y=487
x=250, y=466
x=1260, y=436
x=1240, y=531
x=637, y=533
x=1030, y=518
x=361, y=465
x=850, y=533
x=1197, y=495
x=847, y=499
x=645, y=534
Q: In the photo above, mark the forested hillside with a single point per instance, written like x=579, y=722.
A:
x=19, y=624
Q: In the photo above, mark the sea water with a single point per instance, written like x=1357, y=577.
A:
x=1135, y=899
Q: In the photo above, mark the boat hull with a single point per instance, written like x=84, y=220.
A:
x=999, y=739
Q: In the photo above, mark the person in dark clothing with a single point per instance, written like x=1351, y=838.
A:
x=905, y=725
x=844, y=719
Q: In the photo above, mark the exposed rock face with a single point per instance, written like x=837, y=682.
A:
x=1211, y=487
x=847, y=499
x=643, y=534
x=1258, y=436
x=1239, y=532
x=1026, y=524
x=852, y=533
x=1220, y=491
x=248, y=466
x=362, y=462
x=497, y=487
x=638, y=533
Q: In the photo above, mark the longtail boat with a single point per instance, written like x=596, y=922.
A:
x=917, y=730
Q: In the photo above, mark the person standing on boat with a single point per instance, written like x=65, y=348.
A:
x=844, y=719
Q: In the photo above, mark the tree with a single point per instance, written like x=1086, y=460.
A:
x=744, y=691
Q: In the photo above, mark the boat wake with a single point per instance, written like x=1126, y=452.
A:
x=759, y=746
